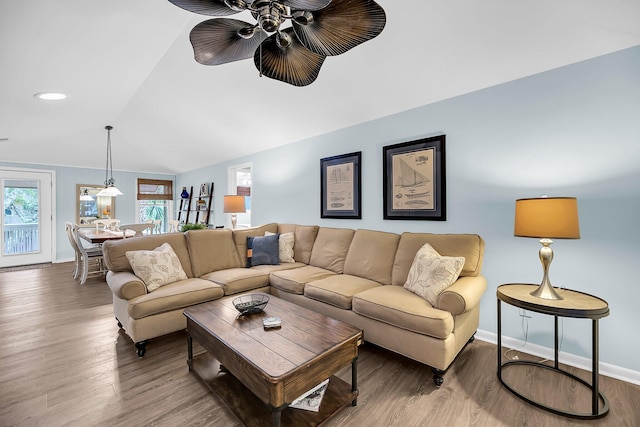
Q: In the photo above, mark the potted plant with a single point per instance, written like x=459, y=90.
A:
x=187, y=227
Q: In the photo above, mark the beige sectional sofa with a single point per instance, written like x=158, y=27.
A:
x=355, y=276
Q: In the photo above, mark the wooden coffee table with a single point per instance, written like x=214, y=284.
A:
x=257, y=372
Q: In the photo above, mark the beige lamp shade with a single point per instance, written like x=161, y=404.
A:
x=234, y=204
x=547, y=217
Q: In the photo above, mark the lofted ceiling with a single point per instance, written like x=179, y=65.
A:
x=130, y=64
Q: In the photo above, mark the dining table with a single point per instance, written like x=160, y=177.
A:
x=99, y=236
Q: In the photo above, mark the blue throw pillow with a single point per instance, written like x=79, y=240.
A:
x=263, y=250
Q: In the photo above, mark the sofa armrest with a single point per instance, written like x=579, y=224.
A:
x=125, y=285
x=463, y=295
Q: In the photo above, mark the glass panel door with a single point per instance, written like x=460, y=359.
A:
x=26, y=218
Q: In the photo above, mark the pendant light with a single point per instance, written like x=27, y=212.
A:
x=85, y=196
x=110, y=189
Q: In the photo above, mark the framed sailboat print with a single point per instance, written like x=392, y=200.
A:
x=414, y=186
x=340, y=187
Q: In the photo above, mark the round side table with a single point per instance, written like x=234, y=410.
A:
x=574, y=304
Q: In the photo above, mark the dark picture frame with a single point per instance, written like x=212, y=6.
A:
x=414, y=180
x=340, y=186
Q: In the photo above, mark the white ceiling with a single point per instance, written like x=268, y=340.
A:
x=129, y=63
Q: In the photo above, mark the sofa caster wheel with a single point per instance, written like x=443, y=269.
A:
x=141, y=348
x=472, y=339
x=437, y=377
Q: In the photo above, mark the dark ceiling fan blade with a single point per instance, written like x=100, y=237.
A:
x=293, y=64
x=218, y=41
x=342, y=25
x=306, y=4
x=205, y=7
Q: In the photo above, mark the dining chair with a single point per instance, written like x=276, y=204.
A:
x=68, y=227
x=157, y=223
x=87, y=257
x=138, y=228
x=107, y=224
x=173, y=226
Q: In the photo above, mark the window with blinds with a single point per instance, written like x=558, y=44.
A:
x=154, y=202
x=155, y=189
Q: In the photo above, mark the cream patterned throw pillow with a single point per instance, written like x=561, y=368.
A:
x=158, y=267
x=286, y=246
x=431, y=273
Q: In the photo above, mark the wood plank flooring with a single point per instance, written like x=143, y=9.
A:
x=64, y=362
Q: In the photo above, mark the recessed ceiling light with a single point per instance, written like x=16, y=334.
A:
x=50, y=96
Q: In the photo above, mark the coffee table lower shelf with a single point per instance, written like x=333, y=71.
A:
x=251, y=411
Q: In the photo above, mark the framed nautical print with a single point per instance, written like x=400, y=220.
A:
x=340, y=186
x=414, y=185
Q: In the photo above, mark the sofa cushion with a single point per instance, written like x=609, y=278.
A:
x=330, y=248
x=212, y=250
x=432, y=273
x=286, y=243
x=371, y=255
x=240, y=238
x=398, y=307
x=174, y=296
x=338, y=289
x=263, y=250
x=114, y=250
x=294, y=280
x=280, y=267
x=304, y=236
x=469, y=246
x=158, y=267
x=234, y=280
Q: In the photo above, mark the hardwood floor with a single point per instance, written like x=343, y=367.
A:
x=64, y=362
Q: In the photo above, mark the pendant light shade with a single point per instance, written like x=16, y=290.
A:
x=110, y=189
x=85, y=196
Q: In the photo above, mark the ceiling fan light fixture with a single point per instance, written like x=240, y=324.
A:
x=236, y=5
x=247, y=32
x=302, y=17
x=283, y=40
x=320, y=28
x=220, y=41
x=271, y=16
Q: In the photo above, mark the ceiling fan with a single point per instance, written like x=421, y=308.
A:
x=319, y=28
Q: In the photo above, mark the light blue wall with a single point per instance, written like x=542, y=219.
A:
x=574, y=131
x=65, y=193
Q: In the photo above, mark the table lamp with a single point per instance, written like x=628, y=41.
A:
x=234, y=204
x=547, y=218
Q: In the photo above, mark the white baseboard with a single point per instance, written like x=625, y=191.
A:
x=607, y=369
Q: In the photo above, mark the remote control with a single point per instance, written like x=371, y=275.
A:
x=271, y=322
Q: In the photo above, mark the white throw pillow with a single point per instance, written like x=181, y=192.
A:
x=431, y=273
x=158, y=267
x=286, y=246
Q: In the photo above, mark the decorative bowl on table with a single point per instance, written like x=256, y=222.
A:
x=250, y=303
